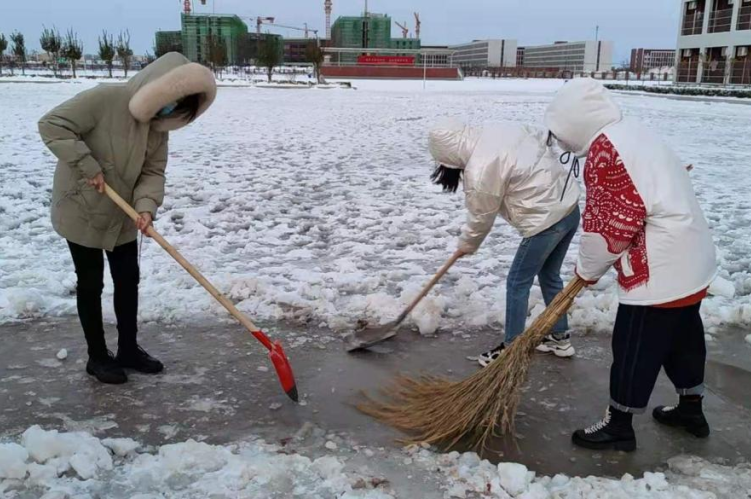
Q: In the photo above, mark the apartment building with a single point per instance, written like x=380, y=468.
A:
x=714, y=42
x=642, y=60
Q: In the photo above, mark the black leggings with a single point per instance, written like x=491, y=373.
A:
x=89, y=264
x=647, y=339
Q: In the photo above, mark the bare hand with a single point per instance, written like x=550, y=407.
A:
x=144, y=222
x=97, y=182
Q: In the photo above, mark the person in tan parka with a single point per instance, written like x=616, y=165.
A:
x=118, y=134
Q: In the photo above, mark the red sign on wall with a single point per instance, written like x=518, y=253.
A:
x=390, y=60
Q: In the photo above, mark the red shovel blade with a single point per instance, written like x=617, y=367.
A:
x=281, y=364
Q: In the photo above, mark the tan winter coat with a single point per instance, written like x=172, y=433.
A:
x=112, y=129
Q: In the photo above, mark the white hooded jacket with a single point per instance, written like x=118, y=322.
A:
x=508, y=170
x=642, y=215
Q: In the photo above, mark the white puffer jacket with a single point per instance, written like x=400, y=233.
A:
x=642, y=215
x=508, y=170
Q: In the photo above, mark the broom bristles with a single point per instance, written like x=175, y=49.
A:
x=438, y=411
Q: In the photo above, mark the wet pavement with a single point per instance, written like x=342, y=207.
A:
x=220, y=387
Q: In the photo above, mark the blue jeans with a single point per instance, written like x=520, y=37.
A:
x=542, y=256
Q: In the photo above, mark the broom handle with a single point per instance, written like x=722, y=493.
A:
x=151, y=232
x=441, y=272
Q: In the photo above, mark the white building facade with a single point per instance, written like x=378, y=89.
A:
x=583, y=57
x=481, y=54
x=714, y=42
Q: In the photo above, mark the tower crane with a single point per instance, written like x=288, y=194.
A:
x=405, y=30
x=418, y=23
x=259, y=22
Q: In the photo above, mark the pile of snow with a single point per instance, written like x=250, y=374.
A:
x=65, y=465
x=332, y=219
x=51, y=465
x=687, y=477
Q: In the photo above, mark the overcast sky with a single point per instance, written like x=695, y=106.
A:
x=629, y=23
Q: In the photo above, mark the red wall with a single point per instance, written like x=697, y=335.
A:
x=410, y=73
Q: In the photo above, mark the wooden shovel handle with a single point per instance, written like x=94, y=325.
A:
x=441, y=272
x=115, y=197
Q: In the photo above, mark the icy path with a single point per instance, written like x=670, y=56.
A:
x=56, y=465
x=315, y=206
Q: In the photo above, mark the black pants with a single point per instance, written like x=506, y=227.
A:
x=89, y=265
x=646, y=339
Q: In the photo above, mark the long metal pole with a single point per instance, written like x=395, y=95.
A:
x=424, y=71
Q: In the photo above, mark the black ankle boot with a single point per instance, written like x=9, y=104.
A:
x=106, y=369
x=139, y=360
x=688, y=415
x=613, y=432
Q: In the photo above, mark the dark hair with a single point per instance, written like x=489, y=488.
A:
x=446, y=177
x=187, y=107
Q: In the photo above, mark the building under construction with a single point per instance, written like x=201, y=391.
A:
x=200, y=32
x=203, y=33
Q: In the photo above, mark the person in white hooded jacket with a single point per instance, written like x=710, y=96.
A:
x=510, y=170
x=642, y=217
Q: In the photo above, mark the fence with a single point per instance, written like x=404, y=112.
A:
x=720, y=21
x=693, y=24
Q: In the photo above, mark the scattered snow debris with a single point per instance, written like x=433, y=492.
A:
x=722, y=287
x=515, y=478
x=331, y=445
x=275, y=406
x=62, y=354
x=121, y=447
x=263, y=369
x=13, y=459
x=748, y=339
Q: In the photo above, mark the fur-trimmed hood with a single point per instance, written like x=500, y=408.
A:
x=167, y=80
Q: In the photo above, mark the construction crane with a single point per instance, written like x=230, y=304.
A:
x=259, y=22
x=405, y=30
x=188, y=5
x=327, y=8
x=306, y=30
x=417, y=25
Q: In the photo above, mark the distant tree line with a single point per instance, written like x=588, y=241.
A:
x=65, y=50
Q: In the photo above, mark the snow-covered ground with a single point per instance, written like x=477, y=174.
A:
x=316, y=206
x=54, y=465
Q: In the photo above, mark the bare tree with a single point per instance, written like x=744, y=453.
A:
x=124, y=52
x=270, y=54
x=72, y=50
x=19, y=49
x=314, y=55
x=107, y=50
x=3, y=46
x=52, y=43
x=217, y=56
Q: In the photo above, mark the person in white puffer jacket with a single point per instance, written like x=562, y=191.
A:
x=642, y=217
x=510, y=170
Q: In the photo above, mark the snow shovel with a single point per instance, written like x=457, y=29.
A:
x=365, y=338
x=276, y=353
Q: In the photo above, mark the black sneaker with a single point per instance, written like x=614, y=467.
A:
x=106, y=370
x=608, y=434
x=687, y=415
x=485, y=359
x=139, y=360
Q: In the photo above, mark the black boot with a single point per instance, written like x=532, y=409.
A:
x=138, y=360
x=688, y=414
x=613, y=432
x=106, y=369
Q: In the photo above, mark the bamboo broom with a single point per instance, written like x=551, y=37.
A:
x=436, y=410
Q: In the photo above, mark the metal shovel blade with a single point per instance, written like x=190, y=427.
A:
x=284, y=371
x=366, y=338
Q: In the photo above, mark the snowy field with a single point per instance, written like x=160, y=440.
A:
x=315, y=206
